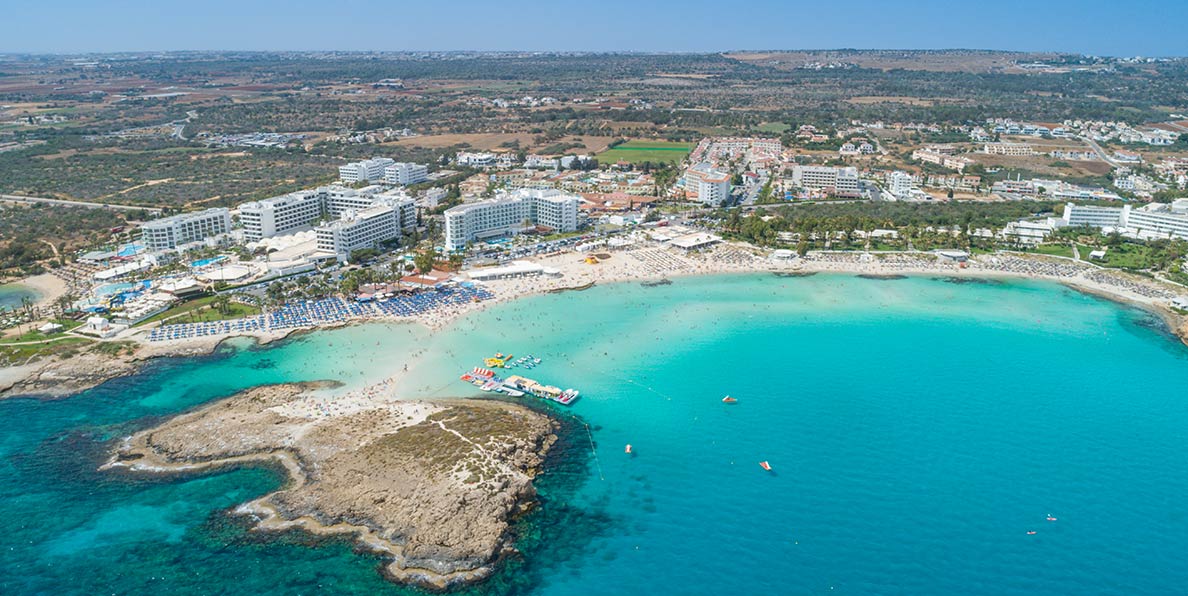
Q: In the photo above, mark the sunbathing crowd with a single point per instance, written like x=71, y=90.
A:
x=312, y=313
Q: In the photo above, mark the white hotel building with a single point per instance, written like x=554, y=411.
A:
x=368, y=170
x=403, y=173
x=510, y=213
x=842, y=182
x=171, y=232
x=1009, y=149
x=270, y=217
x=303, y=209
x=475, y=160
x=359, y=229
x=706, y=184
x=1155, y=220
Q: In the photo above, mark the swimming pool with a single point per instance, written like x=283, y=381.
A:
x=204, y=262
x=112, y=289
x=130, y=250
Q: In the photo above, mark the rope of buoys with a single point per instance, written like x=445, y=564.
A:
x=595, y=452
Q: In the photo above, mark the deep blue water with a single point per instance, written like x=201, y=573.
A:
x=918, y=429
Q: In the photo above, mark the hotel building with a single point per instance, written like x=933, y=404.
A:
x=368, y=170
x=359, y=229
x=706, y=184
x=476, y=160
x=270, y=217
x=403, y=173
x=171, y=232
x=300, y=210
x=841, y=182
x=510, y=213
x=1010, y=149
x=900, y=184
x=1155, y=220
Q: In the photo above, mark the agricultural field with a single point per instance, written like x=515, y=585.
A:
x=773, y=127
x=641, y=151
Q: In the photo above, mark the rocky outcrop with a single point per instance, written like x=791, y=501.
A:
x=59, y=378
x=432, y=485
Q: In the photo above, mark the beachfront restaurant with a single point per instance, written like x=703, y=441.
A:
x=513, y=270
x=695, y=241
x=427, y=281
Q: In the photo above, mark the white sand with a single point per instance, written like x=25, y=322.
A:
x=655, y=262
x=48, y=287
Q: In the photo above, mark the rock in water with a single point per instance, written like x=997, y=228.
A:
x=431, y=485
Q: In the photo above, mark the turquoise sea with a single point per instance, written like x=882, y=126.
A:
x=918, y=429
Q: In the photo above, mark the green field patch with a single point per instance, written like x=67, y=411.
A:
x=641, y=151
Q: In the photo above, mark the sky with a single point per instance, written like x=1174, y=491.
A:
x=1101, y=27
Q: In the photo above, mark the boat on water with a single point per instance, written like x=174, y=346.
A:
x=518, y=386
x=729, y=400
x=549, y=392
x=765, y=465
x=628, y=449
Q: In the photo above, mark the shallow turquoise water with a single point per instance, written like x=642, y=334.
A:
x=11, y=294
x=918, y=430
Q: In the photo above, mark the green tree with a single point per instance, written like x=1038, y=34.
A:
x=424, y=260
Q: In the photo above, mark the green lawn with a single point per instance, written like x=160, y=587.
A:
x=773, y=127
x=35, y=335
x=203, y=312
x=641, y=151
x=1126, y=256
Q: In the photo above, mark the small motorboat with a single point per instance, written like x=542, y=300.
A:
x=1031, y=532
x=1050, y=518
x=729, y=400
x=627, y=450
x=765, y=466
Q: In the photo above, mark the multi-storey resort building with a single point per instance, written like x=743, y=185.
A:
x=171, y=232
x=841, y=182
x=510, y=213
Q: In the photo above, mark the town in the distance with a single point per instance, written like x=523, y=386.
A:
x=405, y=214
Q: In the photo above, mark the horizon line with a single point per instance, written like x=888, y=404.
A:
x=580, y=52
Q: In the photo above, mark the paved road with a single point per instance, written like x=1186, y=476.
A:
x=64, y=203
x=1100, y=152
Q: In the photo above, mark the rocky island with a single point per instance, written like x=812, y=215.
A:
x=433, y=486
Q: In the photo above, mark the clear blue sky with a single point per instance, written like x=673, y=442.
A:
x=1107, y=27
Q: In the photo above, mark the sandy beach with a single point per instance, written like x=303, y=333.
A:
x=656, y=264
x=48, y=287
x=648, y=263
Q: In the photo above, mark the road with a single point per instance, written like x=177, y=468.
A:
x=65, y=203
x=1178, y=126
x=1100, y=152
